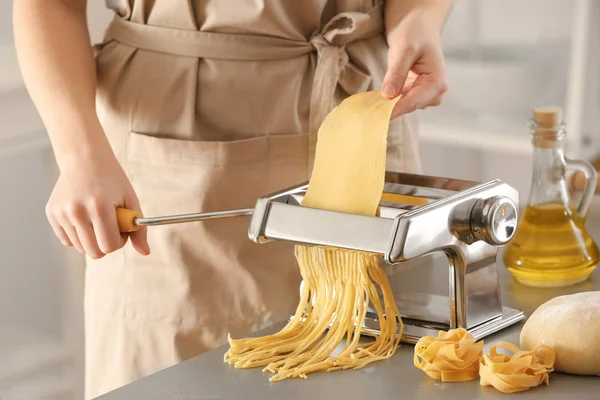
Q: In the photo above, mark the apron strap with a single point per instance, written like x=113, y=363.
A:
x=332, y=67
x=212, y=45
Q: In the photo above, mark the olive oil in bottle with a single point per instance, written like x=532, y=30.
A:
x=552, y=246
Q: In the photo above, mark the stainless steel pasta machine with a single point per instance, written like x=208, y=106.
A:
x=421, y=217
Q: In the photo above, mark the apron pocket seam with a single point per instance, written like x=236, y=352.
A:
x=243, y=152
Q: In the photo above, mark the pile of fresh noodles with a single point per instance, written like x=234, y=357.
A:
x=517, y=373
x=339, y=285
x=452, y=356
x=455, y=356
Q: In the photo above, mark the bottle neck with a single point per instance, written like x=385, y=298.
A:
x=547, y=161
x=549, y=168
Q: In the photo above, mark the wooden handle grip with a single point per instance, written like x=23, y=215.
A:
x=125, y=219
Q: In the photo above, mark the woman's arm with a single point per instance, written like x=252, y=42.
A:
x=415, y=59
x=58, y=66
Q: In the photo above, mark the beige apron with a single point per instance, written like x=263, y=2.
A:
x=209, y=105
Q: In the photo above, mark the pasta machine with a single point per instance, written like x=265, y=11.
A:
x=420, y=217
x=438, y=238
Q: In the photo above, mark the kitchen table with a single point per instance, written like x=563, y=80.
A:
x=208, y=377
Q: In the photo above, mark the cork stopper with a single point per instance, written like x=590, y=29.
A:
x=547, y=116
x=548, y=126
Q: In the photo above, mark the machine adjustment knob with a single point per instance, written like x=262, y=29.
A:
x=494, y=220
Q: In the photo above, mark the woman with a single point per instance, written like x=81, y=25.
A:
x=194, y=106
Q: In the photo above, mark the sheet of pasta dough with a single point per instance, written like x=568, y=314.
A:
x=349, y=169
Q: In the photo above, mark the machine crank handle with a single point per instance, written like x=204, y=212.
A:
x=131, y=221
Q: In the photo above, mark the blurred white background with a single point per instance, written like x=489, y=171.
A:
x=504, y=57
x=41, y=283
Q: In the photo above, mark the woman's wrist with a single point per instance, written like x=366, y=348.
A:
x=80, y=145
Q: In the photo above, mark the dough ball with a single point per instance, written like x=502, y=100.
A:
x=571, y=326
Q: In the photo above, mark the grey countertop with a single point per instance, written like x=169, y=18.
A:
x=208, y=377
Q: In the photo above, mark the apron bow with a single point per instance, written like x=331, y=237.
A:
x=334, y=66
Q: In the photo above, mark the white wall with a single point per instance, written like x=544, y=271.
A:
x=41, y=283
x=499, y=23
x=509, y=21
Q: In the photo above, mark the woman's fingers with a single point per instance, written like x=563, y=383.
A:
x=85, y=232
x=437, y=101
x=427, y=90
x=106, y=228
x=69, y=230
x=410, y=80
x=80, y=218
x=59, y=231
x=93, y=229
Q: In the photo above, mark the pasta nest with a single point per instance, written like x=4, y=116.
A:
x=452, y=356
x=519, y=372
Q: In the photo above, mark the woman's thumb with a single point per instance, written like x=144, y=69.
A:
x=399, y=65
x=139, y=238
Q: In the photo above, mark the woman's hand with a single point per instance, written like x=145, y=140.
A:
x=415, y=60
x=82, y=207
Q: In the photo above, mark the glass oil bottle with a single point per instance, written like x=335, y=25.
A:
x=551, y=246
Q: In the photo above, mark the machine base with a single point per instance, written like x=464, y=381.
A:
x=414, y=330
